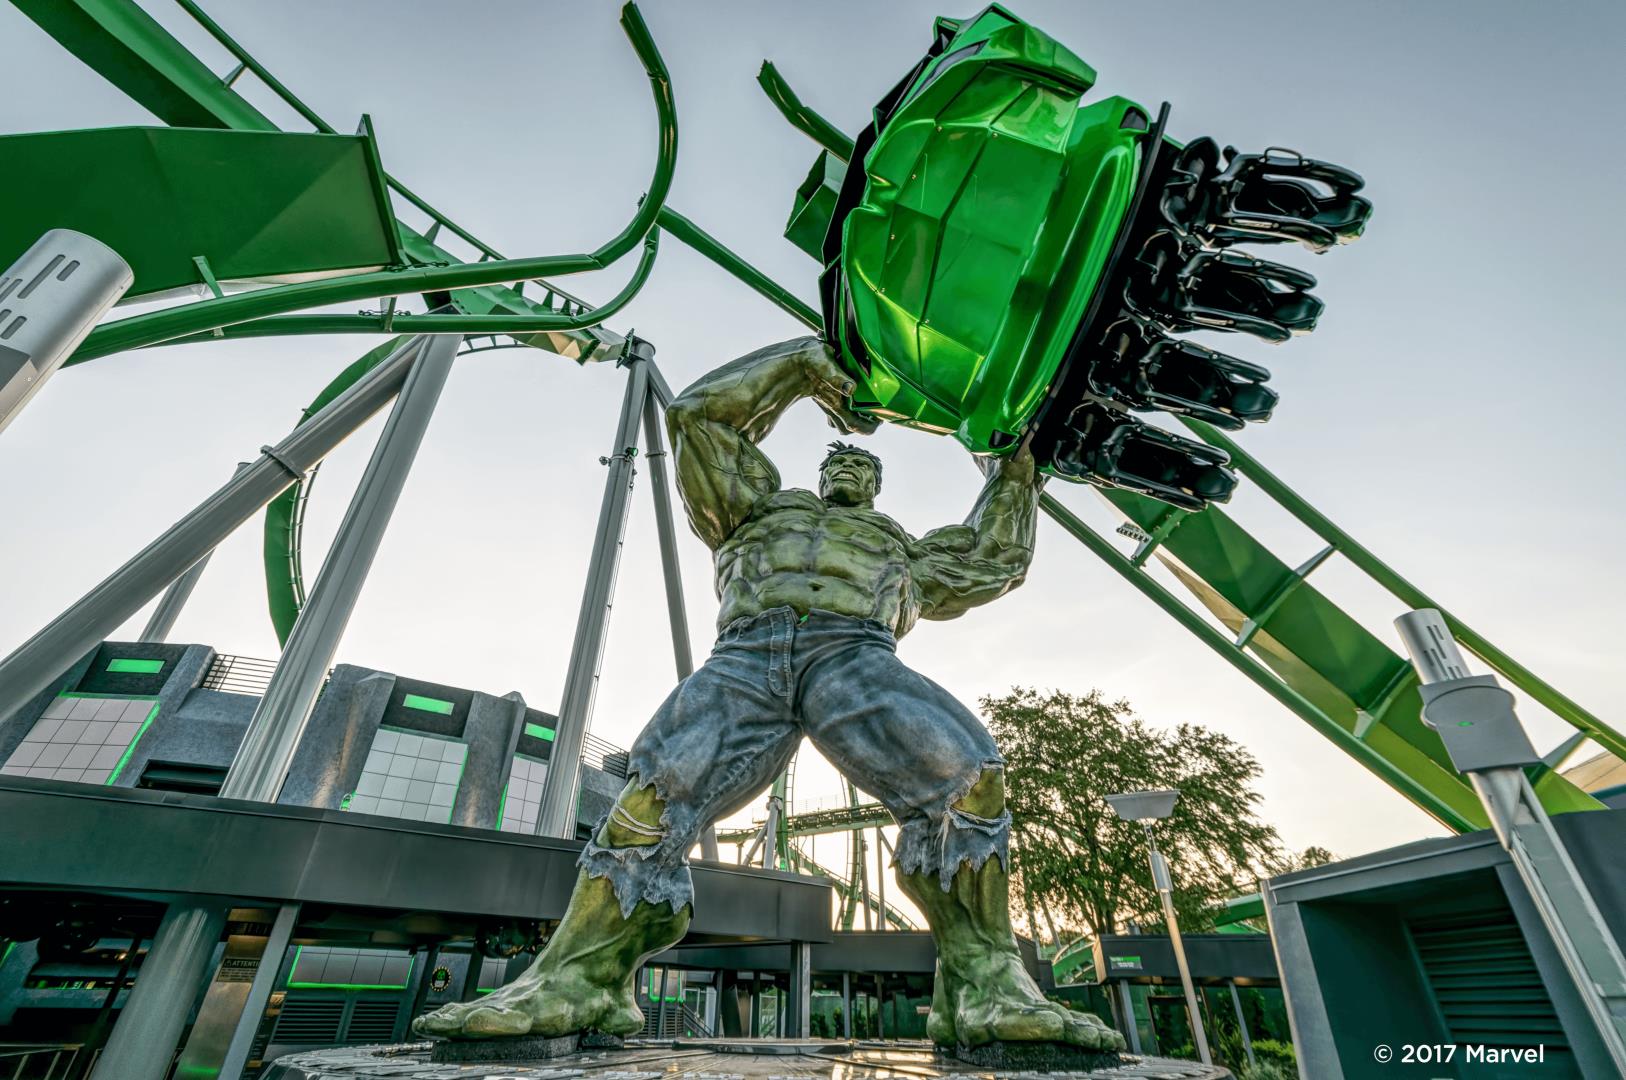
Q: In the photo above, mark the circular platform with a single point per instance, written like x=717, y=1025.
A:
x=718, y=1059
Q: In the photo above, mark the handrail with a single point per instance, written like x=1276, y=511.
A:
x=166, y=325
x=391, y=323
x=216, y=31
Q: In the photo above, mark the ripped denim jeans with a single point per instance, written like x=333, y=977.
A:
x=728, y=730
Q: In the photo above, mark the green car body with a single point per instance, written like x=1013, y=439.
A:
x=1008, y=264
x=991, y=202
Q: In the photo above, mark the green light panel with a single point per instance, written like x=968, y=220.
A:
x=321, y=968
x=135, y=667
x=537, y=731
x=427, y=704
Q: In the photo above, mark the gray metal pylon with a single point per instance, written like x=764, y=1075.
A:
x=99, y=612
x=50, y=298
x=162, y=619
x=261, y=763
x=259, y=991
x=556, y=812
x=666, y=530
x=142, y=1045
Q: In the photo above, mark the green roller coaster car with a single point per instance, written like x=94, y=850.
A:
x=959, y=295
x=1003, y=262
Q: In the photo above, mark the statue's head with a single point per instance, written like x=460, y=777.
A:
x=850, y=476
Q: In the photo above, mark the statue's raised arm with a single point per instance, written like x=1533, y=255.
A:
x=959, y=567
x=716, y=423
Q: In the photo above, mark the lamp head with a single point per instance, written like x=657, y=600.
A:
x=1143, y=805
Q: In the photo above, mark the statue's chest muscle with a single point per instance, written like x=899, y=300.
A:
x=798, y=528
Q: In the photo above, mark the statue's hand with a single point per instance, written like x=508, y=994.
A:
x=831, y=388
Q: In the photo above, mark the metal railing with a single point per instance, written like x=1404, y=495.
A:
x=42, y=1061
x=238, y=674
x=604, y=756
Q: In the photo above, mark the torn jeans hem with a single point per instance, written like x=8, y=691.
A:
x=638, y=874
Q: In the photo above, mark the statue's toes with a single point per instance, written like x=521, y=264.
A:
x=1107, y=1037
x=447, y=1020
x=483, y=1022
x=626, y=1019
x=1089, y=1033
x=1025, y=1024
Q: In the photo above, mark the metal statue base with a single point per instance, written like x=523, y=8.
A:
x=522, y=1049
x=719, y=1059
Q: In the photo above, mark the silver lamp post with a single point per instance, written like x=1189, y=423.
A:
x=1147, y=807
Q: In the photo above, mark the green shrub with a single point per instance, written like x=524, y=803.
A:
x=1277, y=1053
x=1267, y=1070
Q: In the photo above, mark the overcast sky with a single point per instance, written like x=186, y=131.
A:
x=1457, y=410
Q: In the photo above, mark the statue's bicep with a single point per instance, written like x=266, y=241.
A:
x=720, y=478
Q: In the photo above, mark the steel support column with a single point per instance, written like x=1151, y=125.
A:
x=162, y=619
x=1242, y=1024
x=800, y=1012
x=556, y=814
x=1126, y=1002
x=261, y=764
x=143, y=1043
x=259, y=992
x=666, y=531
x=99, y=612
x=880, y=876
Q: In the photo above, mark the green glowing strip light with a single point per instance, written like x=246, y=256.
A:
x=124, y=759
x=427, y=704
x=299, y=951
x=502, y=804
x=135, y=667
x=537, y=731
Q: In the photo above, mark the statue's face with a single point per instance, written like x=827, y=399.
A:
x=848, y=480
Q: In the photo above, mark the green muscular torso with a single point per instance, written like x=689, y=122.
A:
x=831, y=551
x=796, y=551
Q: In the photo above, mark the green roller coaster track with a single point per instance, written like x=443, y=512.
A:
x=1256, y=609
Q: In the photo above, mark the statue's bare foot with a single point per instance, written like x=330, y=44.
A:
x=551, y=1004
x=1001, y=1003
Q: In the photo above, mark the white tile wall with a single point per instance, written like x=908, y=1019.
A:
x=80, y=738
x=519, y=809
x=409, y=775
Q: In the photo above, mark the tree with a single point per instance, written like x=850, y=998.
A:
x=1073, y=859
x=1310, y=857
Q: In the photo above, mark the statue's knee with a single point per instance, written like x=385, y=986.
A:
x=986, y=799
x=635, y=820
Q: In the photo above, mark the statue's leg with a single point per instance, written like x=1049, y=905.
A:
x=583, y=980
x=713, y=744
x=911, y=744
x=986, y=986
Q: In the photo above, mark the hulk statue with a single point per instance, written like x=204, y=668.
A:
x=815, y=591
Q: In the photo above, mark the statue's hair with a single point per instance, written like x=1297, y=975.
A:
x=838, y=448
